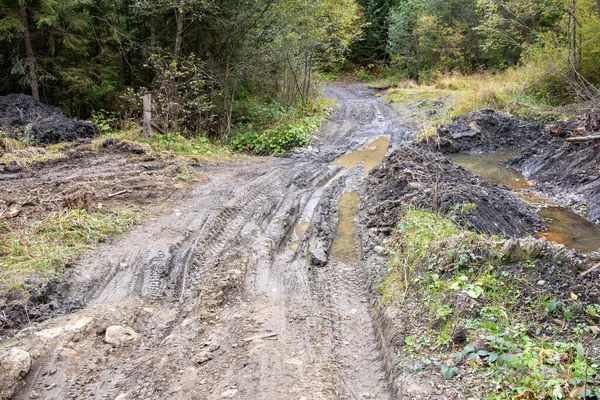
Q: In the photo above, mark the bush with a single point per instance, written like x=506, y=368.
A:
x=270, y=130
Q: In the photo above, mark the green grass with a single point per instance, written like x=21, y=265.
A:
x=45, y=247
x=270, y=130
x=194, y=149
x=436, y=262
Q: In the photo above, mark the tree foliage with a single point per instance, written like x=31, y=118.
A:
x=199, y=57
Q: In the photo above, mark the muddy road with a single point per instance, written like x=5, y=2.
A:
x=251, y=289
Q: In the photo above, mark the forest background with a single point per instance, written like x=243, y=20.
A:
x=230, y=70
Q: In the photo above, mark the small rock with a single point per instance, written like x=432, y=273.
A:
x=379, y=250
x=14, y=367
x=228, y=394
x=34, y=395
x=118, y=335
x=318, y=253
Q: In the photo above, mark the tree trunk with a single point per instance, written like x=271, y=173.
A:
x=178, y=35
x=29, y=52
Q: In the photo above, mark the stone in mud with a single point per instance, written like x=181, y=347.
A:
x=229, y=394
x=118, y=335
x=13, y=167
x=317, y=251
x=14, y=367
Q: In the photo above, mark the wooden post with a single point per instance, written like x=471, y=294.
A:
x=147, y=115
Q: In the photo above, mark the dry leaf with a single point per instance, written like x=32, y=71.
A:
x=577, y=392
x=574, y=296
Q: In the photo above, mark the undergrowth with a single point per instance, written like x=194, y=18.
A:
x=522, y=338
x=269, y=129
x=45, y=247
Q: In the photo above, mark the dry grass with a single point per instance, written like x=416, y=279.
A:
x=460, y=94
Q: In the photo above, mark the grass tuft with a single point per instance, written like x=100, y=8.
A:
x=45, y=247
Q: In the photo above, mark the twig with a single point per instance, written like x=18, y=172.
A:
x=118, y=193
x=583, y=138
x=257, y=337
x=157, y=128
x=589, y=271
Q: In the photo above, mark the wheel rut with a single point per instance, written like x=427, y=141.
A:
x=222, y=306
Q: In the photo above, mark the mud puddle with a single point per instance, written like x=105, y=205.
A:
x=570, y=229
x=563, y=225
x=344, y=247
x=299, y=232
x=369, y=155
x=491, y=167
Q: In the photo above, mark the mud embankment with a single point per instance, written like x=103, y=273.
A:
x=485, y=131
x=418, y=177
x=24, y=118
x=552, y=158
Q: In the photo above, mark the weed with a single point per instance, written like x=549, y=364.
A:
x=436, y=262
x=271, y=131
x=47, y=246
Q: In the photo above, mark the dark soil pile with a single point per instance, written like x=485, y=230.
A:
x=24, y=118
x=485, y=131
x=419, y=177
x=560, y=168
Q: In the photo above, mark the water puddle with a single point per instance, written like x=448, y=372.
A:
x=344, y=248
x=491, y=168
x=563, y=225
x=570, y=229
x=299, y=231
x=369, y=155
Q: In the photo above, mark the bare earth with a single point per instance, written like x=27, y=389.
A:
x=221, y=298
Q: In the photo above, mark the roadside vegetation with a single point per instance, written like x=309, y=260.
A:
x=491, y=310
x=45, y=247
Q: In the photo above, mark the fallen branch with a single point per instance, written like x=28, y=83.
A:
x=589, y=271
x=583, y=138
x=158, y=129
x=118, y=193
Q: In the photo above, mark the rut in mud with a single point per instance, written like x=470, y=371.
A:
x=252, y=289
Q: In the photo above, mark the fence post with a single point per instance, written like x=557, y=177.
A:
x=147, y=115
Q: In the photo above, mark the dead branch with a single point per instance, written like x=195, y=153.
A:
x=583, y=138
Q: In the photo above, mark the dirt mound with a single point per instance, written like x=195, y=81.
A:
x=485, y=131
x=559, y=167
x=414, y=176
x=22, y=117
x=125, y=146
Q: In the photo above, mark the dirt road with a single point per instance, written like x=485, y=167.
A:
x=253, y=289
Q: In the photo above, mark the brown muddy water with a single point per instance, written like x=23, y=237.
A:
x=563, y=225
x=299, y=232
x=344, y=247
x=369, y=155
